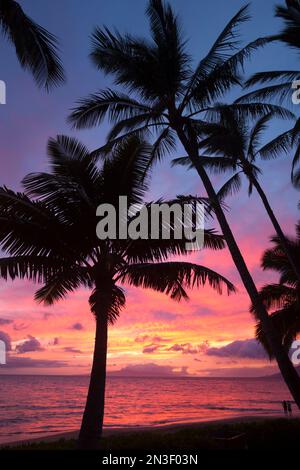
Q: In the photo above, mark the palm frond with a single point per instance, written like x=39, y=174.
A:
x=91, y=111
x=173, y=278
x=151, y=250
x=291, y=17
x=279, y=93
x=255, y=134
x=33, y=268
x=287, y=324
x=276, y=296
x=271, y=76
x=107, y=303
x=273, y=91
x=296, y=173
x=221, y=50
x=232, y=186
x=223, y=77
x=252, y=110
x=276, y=260
x=216, y=165
x=28, y=227
x=133, y=123
x=105, y=151
x=36, y=48
x=137, y=64
x=281, y=144
x=128, y=170
x=61, y=284
x=72, y=168
x=167, y=37
x=296, y=158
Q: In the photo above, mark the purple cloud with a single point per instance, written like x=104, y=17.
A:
x=141, y=339
x=153, y=339
x=30, y=345
x=47, y=315
x=151, y=348
x=69, y=349
x=150, y=370
x=161, y=315
x=247, y=349
x=20, y=327
x=77, y=326
x=240, y=371
x=28, y=362
x=188, y=348
x=5, y=321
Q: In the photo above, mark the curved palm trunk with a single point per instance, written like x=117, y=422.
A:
x=285, y=365
x=92, y=421
x=276, y=226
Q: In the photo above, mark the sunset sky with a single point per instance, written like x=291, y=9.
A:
x=211, y=335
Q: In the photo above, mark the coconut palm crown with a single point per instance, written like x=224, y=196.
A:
x=283, y=298
x=234, y=143
x=290, y=14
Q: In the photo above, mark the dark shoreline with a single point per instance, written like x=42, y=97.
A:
x=49, y=439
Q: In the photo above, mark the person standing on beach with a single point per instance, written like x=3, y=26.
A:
x=285, y=407
x=289, y=408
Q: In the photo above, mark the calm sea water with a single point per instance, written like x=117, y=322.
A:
x=31, y=406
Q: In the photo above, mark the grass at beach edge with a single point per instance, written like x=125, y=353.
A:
x=276, y=434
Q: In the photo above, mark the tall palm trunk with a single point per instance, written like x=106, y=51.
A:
x=276, y=226
x=285, y=365
x=92, y=421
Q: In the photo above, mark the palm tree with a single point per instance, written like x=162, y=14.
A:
x=282, y=298
x=278, y=84
x=291, y=16
x=36, y=48
x=166, y=97
x=49, y=235
x=231, y=144
x=291, y=36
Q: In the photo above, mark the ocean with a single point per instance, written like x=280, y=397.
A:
x=32, y=406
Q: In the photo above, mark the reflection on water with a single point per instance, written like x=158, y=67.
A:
x=34, y=405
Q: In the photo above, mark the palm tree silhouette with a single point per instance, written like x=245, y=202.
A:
x=166, y=97
x=291, y=36
x=283, y=298
x=36, y=48
x=291, y=16
x=49, y=234
x=231, y=144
